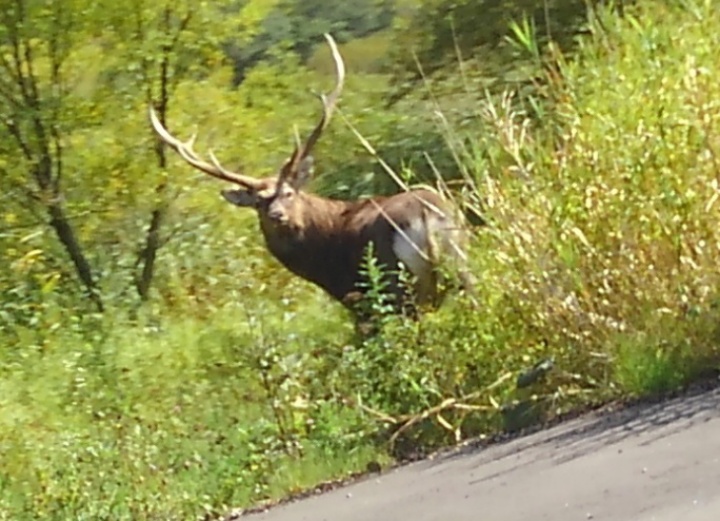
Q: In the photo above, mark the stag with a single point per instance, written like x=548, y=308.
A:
x=323, y=240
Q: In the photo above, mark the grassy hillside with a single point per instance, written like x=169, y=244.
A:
x=237, y=383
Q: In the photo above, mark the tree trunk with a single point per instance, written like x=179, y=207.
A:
x=66, y=235
x=149, y=253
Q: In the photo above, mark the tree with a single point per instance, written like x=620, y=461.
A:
x=36, y=39
x=142, y=51
x=436, y=30
x=174, y=41
x=298, y=25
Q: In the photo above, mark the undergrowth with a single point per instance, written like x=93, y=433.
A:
x=596, y=278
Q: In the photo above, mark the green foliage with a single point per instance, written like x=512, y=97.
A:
x=236, y=382
x=434, y=33
x=379, y=301
x=60, y=111
x=609, y=236
x=299, y=26
x=365, y=55
x=643, y=369
x=202, y=416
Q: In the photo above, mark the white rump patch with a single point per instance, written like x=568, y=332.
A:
x=411, y=248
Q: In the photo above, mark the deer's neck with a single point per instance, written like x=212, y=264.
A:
x=322, y=249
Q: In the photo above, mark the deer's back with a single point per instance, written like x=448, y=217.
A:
x=410, y=227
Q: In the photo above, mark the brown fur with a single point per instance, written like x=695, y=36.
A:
x=328, y=249
x=324, y=240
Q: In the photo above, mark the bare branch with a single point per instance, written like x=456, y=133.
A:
x=11, y=125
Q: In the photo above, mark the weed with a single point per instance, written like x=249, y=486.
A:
x=596, y=278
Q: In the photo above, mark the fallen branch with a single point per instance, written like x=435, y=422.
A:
x=458, y=404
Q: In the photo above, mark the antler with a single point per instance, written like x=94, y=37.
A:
x=186, y=151
x=328, y=102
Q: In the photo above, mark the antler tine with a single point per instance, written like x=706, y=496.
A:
x=224, y=170
x=186, y=151
x=328, y=103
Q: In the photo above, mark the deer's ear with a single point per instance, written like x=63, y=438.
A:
x=240, y=197
x=305, y=171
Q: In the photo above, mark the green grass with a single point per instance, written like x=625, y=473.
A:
x=240, y=384
x=145, y=422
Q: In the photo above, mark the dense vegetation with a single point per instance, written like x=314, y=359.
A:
x=156, y=363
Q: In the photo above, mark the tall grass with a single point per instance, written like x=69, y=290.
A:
x=605, y=215
x=597, y=277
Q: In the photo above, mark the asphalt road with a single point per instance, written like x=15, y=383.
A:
x=647, y=463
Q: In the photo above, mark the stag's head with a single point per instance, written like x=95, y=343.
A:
x=276, y=198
